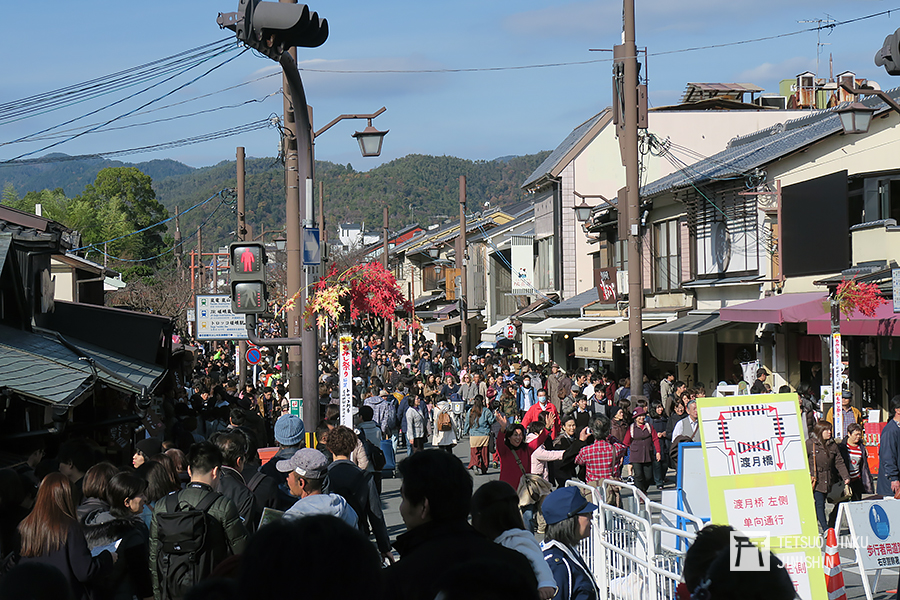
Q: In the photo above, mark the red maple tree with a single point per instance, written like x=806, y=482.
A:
x=373, y=290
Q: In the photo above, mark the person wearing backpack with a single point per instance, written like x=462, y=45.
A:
x=193, y=530
x=444, y=433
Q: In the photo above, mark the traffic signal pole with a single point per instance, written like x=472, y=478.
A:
x=241, y=236
x=304, y=377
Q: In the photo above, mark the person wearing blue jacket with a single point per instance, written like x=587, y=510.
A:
x=889, y=454
x=478, y=426
x=568, y=517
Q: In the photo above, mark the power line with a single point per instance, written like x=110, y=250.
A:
x=153, y=122
x=232, y=131
x=146, y=104
x=80, y=92
x=157, y=224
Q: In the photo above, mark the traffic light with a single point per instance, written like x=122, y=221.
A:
x=274, y=27
x=889, y=55
x=248, y=278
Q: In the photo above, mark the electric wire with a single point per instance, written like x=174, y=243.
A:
x=146, y=104
x=232, y=131
x=30, y=137
x=80, y=92
x=168, y=250
x=157, y=224
x=63, y=133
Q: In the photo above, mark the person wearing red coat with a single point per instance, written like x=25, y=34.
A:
x=543, y=404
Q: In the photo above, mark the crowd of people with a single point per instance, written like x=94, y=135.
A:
x=196, y=513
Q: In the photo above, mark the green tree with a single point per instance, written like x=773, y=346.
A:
x=120, y=202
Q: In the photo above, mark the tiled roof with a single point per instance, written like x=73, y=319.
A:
x=552, y=161
x=760, y=148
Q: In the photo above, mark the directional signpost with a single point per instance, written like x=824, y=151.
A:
x=216, y=321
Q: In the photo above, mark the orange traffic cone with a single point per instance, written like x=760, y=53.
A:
x=834, y=578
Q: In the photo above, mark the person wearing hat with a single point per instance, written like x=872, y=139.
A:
x=643, y=442
x=144, y=449
x=305, y=472
x=290, y=436
x=568, y=517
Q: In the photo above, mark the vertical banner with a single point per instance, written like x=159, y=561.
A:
x=346, y=364
x=757, y=474
x=837, y=375
x=522, y=251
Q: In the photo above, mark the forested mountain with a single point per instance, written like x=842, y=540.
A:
x=415, y=187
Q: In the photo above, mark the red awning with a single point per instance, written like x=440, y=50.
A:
x=884, y=323
x=783, y=308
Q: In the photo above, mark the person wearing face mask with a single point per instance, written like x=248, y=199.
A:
x=525, y=396
x=543, y=404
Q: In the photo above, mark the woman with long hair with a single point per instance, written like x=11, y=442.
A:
x=160, y=482
x=479, y=423
x=51, y=535
x=123, y=528
x=824, y=458
x=94, y=486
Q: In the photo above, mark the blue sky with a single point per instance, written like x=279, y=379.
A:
x=474, y=115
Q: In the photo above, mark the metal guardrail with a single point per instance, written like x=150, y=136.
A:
x=635, y=553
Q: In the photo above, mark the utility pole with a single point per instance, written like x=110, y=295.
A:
x=627, y=52
x=384, y=262
x=461, y=265
x=199, y=262
x=178, y=247
x=242, y=237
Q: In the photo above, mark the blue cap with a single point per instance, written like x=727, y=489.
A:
x=289, y=430
x=564, y=503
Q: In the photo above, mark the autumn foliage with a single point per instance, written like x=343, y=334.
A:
x=864, y=297
x=372, y=290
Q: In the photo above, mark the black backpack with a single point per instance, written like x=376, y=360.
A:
x=373, y=453
x=183, y=558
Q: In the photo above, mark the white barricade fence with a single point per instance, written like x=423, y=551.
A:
x=631, y=552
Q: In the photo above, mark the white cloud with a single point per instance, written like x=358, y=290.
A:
x=785, y=69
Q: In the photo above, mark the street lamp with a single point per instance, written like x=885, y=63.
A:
x=583, y=211
x=855, y=117
x=280, y=244
x=370, y=140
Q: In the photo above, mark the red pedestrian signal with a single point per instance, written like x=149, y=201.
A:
x=248, y=278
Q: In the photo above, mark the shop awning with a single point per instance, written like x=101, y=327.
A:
x=783, y=308
x=676, y=341
x=578, y=325
x=542, y=328
x=885, y=323
x=440, y=326
x=490, y=334
x=598, y=344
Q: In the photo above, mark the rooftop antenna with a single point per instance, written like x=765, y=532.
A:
x=821, y=24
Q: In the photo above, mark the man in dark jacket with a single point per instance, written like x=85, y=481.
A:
x=230, y=483
x=436, y=497
x=356, y=487
x=888, y=483
x=230, y=537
